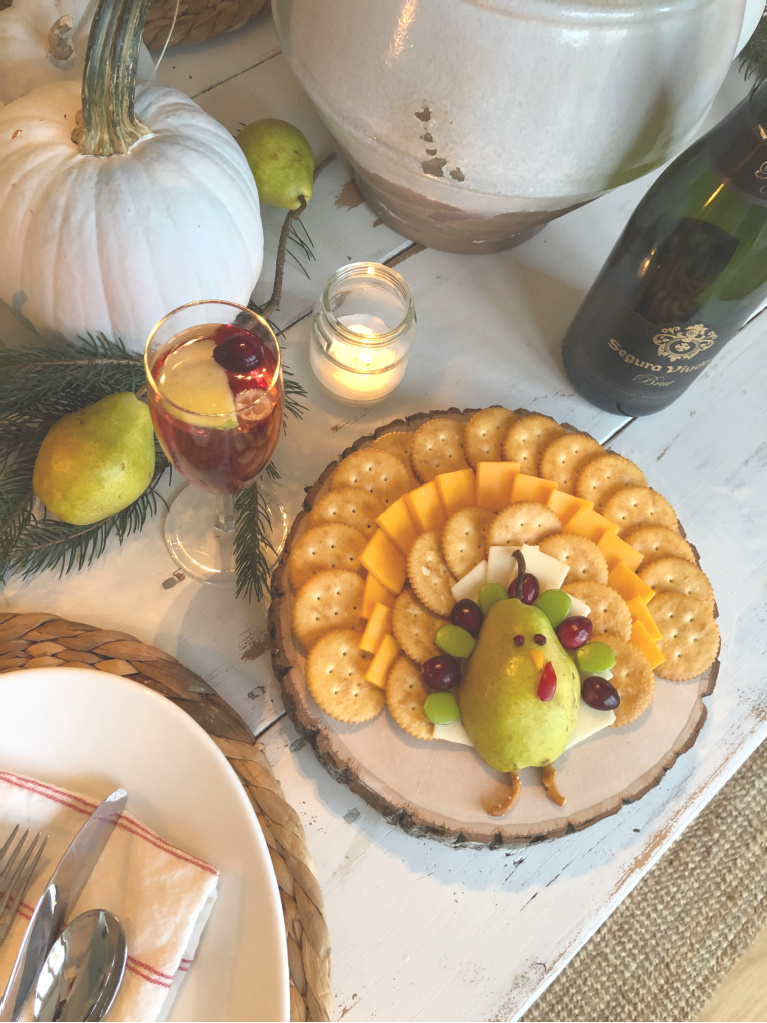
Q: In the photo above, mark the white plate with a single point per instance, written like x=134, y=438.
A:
x=91, y=732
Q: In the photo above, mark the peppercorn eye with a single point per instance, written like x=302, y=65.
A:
x=540, y=639
x=519, y=640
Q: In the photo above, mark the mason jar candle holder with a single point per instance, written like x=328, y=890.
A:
x=363, y=329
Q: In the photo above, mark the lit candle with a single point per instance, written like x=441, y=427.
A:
x=362, y=355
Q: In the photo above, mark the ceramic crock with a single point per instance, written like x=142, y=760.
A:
x=471, y=123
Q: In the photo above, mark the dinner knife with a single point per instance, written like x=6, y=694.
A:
x=61, y=893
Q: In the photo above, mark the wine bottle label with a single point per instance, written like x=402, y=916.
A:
x=639, y=363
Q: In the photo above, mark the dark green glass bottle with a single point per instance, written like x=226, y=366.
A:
x=686, y=274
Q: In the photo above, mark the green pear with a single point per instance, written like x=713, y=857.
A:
x=508, y=722
x=281, y=160
x=96, y=461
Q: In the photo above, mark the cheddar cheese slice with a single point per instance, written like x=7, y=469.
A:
x=375, y=593
x=381, y=665
x=426, y=508
x=382, y=559
x=641, y=613
x=494, y=483
x=641, y=640
x=531, y=488
x=397, y=522
x=586, y=522
x=628, y=583
x=565, y=505
x=379, y=624
x=456, y=489
x=615, y=550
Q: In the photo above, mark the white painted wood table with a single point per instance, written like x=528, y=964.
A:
x=421, y=931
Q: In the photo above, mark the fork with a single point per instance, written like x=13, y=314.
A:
x=18, y=860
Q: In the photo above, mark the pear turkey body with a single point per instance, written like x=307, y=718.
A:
x=510, y=726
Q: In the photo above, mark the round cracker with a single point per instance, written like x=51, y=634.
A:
x=485, y=432
x=464, y=539
x=414, y=626
x=438, y=447
x=351, y=506
x=633, y=507
x=335, y=675
x=522, y=522
x=379, y=472
x=405, y=697
x=587, y=563
x=604, y=475
x=563, y=458
x=397, y=443
x=527, y=438
x=330, y=546
x=429, y=575
x=654, y=542
x=676, y=575
x=689, y=635
x=632, y=677
x=329, y=600
x=609, y=612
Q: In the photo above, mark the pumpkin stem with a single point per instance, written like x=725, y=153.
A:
x=109, y=119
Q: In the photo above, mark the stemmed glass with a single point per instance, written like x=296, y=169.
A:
x=214, y=383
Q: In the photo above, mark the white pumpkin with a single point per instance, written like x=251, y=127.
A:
x=44, y=41
x=111, y=244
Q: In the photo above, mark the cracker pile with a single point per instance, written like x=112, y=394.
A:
x=407, y=516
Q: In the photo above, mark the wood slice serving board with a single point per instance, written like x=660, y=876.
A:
x=439, y=789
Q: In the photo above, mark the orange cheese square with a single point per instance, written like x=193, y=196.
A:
x=628, y=583
x=532, y=488
x=456, y=489
x=565, y=505
x=615, y=550
x=374, y=593
x=494, y=483
x=382, y=559
x=641, y=613
x=397, y=523
x=426, y=509
x=379, y=624
x=641, y=640
x=381, y=665
x=586, y=522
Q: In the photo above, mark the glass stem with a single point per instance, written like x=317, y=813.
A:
x=225, y=517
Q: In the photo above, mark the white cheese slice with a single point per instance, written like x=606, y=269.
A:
x=589, y=721
x=549, y=572
x=578, y=607
x=597, y=674
x=469, y=586
x=454, y=732
x=501, y=565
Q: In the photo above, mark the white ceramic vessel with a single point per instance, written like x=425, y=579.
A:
x=471, y=123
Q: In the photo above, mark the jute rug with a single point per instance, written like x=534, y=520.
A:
x=668, y=945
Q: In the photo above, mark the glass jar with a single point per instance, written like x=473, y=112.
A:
x=363, y=329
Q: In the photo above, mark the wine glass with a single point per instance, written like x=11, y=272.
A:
x=214, y=383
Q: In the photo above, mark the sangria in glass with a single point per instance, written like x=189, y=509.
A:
x=214, y=384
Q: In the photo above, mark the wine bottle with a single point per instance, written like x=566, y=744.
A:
x=688, y=271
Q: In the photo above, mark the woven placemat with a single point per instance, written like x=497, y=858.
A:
x=666, y=948
x=40, y=640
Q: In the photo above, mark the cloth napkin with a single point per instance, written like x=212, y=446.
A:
x=161, y=894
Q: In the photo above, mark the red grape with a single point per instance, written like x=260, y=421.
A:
x=441, y=672
x=547, y=685
x=574, y=632
x=239, y=353
x=468, y=615
x=599, y=693
x=530, y=588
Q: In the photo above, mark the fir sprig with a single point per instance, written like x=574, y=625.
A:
x=40, y=384
x=753, y=57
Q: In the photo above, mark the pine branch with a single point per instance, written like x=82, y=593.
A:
x=251, y=543
x=753, y=57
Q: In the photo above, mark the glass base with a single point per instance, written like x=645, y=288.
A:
x=205, y=552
